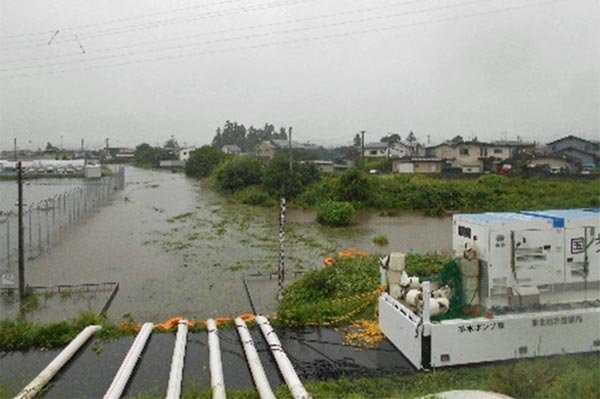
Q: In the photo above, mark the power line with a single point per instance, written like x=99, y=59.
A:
x=252, y=27
x=120, y=20
x=259, y=35
x=167, y=22
x=293, y=41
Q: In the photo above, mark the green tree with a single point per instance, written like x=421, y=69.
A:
x=354, y=185
x=391, y=138
x=357, y=140
x=277, y=179
x=237, y=173
x=203, y=160
x=147, y=156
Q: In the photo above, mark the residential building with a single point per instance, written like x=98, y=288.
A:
x=184, y=153
x=554, y=163
x=418, y=165
x=466, y=155
x=323, y=166
x=397, y=149
x=231, y=149
x=268, y=148
x=586, y=152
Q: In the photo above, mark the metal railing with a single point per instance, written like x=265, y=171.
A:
x=47, y=221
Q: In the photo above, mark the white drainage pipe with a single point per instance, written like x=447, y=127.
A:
x=120, y=381
x=216, y=366
x=283, y=362
x=36, y=385
x=256, y=368
x=176, y=375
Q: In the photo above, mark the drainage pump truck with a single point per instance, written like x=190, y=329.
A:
x=527, y=284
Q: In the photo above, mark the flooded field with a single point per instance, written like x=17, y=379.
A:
x=178, y=248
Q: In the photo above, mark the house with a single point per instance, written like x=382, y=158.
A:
x=418, y=165
x=497, y=151
x=396, y=149
x=231, y=149
x=184, y=153
x=585, y=151
x=506, y=149
x=554, y=163
x=323, y=166
x=466, y=155
x=268, y=148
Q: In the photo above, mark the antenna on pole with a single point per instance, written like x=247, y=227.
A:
x=53, y=37
x=290, y=146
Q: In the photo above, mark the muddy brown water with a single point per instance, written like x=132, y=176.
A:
x=178, y=248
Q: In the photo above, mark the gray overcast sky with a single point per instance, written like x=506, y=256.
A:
x=151, y=69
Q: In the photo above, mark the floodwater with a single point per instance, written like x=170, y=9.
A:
x=178, y=248
x=35, y=190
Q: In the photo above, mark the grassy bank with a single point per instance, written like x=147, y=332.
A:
x=343, y=292
x=436, y=195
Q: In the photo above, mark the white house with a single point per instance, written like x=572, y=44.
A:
x=398, y=149
x=231, y=149
x=184, y=153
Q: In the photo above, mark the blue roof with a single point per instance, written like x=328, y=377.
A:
x=558, y=216
x=490, y=217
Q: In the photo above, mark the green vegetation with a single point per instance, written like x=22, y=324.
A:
x=237, y=173
x=335, y=213
x=381, y=240
x=253, y=195
x=22, y=335
x=203, y=160
x=437, y=195
x=327, y=295
x=147, y=156
x=277, y=179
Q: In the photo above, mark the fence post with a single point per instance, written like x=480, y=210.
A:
x=281, y=266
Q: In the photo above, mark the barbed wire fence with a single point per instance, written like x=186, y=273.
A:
x=46, y=222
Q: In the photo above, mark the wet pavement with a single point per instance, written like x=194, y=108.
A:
x=317, y=354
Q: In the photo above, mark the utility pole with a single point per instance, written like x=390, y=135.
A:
x=362, y=150
x=15, y=148
x=21, y=232
x=290, y=146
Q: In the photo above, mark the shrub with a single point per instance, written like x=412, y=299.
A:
x=318, y=192
x=354, y=185
x=237, y=173
x=203, y=160
x=278, y=180
x=335, y=213
x=147, y=156
x=253, y=195
x=381, y=240
x=329, y=292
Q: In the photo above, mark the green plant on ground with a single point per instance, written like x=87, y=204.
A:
x=381, y=240
x=237, y=173
x=335, y=214
x=22, y=335
x=331, y=292
x=253, y=195
x=203, y=161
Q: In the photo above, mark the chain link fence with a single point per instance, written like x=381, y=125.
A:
x=46, y=222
